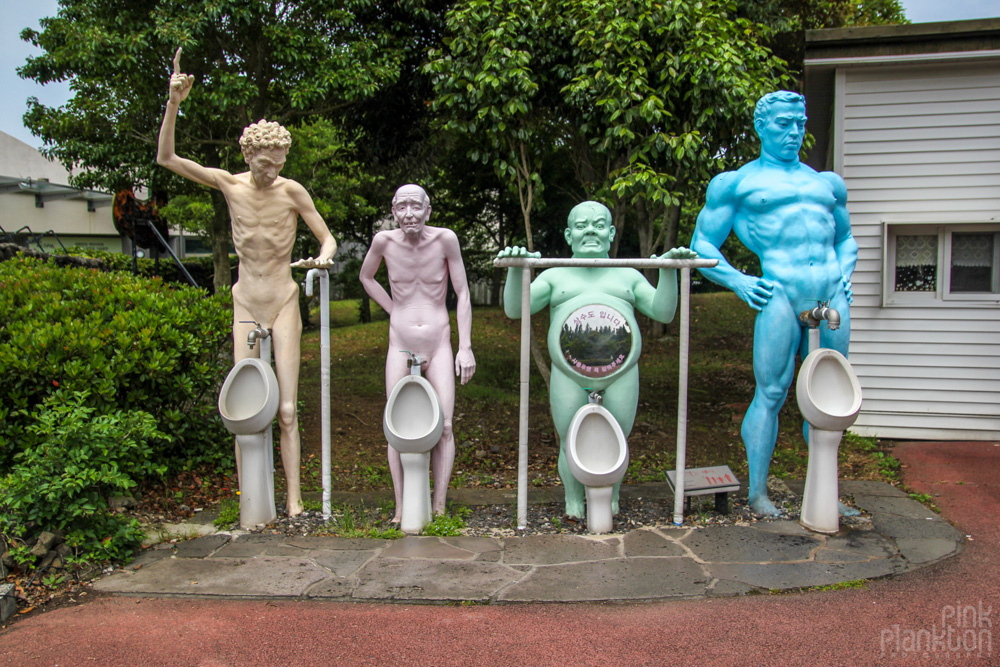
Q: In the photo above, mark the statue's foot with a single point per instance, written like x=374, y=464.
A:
x=847, y=511
x=763, y=506
x=574, y=509
x=397, y=519
x=294, y=507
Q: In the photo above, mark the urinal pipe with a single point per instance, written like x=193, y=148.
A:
x=324, y=375
x=526, y=264
x=682, y=391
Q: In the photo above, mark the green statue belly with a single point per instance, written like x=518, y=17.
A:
x=594, y=339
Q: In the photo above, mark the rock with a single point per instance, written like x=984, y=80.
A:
x=47, y=561
x=116, y=503
x=494, y=449
x=480, y=453
x=47, y=541
x=7, y=603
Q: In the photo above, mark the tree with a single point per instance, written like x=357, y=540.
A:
x=286, y=61
x=664, y=93
x=494, y=79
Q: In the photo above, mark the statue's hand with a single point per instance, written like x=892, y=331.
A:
x=848, y=288
x=180, y=84
x=756, y=292
x=678, y=253
x=465, y=365
x=517, y=251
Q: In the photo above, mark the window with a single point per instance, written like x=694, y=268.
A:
x=926, y=263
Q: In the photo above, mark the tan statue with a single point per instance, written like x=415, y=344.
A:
x=264, y=209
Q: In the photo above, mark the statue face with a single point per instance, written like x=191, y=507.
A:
x=589, y=232
x=782, y=133
x=266, y=164
x=410, y=210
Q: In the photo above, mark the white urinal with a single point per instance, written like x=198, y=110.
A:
x=597, y=456
x=829, y=397
x=413, y=423
x=248, y=403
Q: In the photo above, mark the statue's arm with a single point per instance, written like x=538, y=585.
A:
x=180, y=86
x=368, y=268
x=465, y=361
x=844, y=244
x=305, y=207
x=661, y=303
x=540, y=292
x=713, y=226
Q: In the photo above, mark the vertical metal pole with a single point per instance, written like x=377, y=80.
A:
x=324, y=374
x=682, y=391
x=522, y=445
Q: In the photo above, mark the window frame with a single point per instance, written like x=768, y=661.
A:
x=941, y=295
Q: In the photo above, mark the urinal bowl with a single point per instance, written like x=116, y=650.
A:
x=248, y=400
x=248, y=403
x=829, y=397
x=413, y=423
x=828, y=391
x=597, y=456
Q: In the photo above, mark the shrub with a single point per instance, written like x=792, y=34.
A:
x=130, y=343
x=200, y=268
x=73, y=461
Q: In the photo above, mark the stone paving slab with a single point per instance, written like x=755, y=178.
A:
x=749, y=545
x=787, y=576
x=613, y=579
x=254, y=577
x=439, y=581
x=650, y=563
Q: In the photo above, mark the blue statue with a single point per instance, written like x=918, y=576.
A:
x=592, y=299
x=795, y=220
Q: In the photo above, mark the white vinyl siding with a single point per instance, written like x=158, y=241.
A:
x=921, y=146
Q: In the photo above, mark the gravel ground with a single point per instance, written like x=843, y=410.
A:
x=500, y=520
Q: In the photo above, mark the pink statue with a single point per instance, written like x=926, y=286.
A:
x=420, y=259
x=264, y=209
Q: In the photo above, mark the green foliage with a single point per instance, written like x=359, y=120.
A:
x=448, y=524
x=129, y=342
x=350, y=521
x=73, y=460
x=645, y=99
x=200, y=268
x=229, y=513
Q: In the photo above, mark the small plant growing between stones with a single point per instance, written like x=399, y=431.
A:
x=229, y=513
x=926, y=499
x=449, y=523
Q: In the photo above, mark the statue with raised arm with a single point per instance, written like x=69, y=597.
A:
x=605, y=298
x=264, y=209
x=795, y=220
x=420, y=260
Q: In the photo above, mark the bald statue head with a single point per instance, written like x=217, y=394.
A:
x=589, y=231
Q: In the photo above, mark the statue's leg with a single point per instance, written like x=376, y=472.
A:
x=565, y=398
x=621, y=399
x=776, y=339
x=440, y=372
x=286, y=336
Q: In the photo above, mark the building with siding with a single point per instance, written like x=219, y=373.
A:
x=909, y=116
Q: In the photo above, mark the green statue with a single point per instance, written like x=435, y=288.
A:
x=593, y=340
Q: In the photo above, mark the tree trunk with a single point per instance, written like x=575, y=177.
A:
x=219, y=238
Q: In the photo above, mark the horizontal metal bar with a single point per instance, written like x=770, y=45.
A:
x=635, y=263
